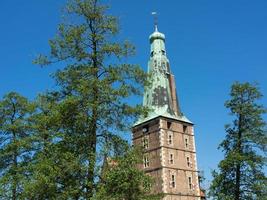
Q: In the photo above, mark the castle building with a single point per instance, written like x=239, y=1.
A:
x=166, y=135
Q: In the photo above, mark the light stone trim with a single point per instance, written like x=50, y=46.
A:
x=172, y=173
x=170, y=133
x=195, y=161
x=162, y=160
x=164, y=171
x=170, y=148
x=186, y=137
x=188, y=155
x=170, y=168
x=171, y=155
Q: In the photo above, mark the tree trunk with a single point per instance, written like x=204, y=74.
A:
x=15, y=165
x=238, y=166
x=92, y=162
x=14, y=185
x=92, y=135
x=237, y=183
x=15, y=157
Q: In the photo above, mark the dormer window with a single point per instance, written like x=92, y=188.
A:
x=163, y=52
x=152, y=54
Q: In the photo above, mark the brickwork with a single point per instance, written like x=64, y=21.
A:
x=171, y=155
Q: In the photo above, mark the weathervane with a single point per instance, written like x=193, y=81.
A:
x=155, y=20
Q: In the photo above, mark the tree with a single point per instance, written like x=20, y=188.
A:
x=121, y=179
x=52, y=171
x=240, y=175
x=92, y=91
x=15, y=148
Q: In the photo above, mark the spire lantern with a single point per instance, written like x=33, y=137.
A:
x=156, y=35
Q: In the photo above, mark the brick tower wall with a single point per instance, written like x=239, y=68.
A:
x=169, y=157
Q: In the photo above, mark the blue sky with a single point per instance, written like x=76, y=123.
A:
x=210, y=44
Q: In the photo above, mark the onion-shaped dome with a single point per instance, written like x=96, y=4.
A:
x=156, y=35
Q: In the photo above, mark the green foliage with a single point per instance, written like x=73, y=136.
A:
x=15, y=148
x=122, y=179
x=240, y=174
x=81, y=123
x=52, y=170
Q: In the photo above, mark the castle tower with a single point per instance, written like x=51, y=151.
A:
x=165, y=133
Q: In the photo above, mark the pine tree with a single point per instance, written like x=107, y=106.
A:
x=52, y=171
x=240, y=175
x=15, y=148
x=91, y=100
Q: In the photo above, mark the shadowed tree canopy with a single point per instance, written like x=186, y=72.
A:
x=15, y=147
x=121, y=179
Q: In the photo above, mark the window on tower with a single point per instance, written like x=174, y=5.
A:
x=190, y=185
x=146, y=161
x=184, y=129
x=145, y=129
x=172, y=183
x=170, y=138
x=169, y=124
x=146, y=142
x=171, y=159
x=188, y=162
x=186, y=142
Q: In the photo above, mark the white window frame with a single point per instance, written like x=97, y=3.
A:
x=186, y=142
x=171, y=158
x=172, y=181
x=170, y=138
x=188, y=162
x=146, y=161
x=190, y=184
x=146, y=142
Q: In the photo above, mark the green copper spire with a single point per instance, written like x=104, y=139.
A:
x=161, y=96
